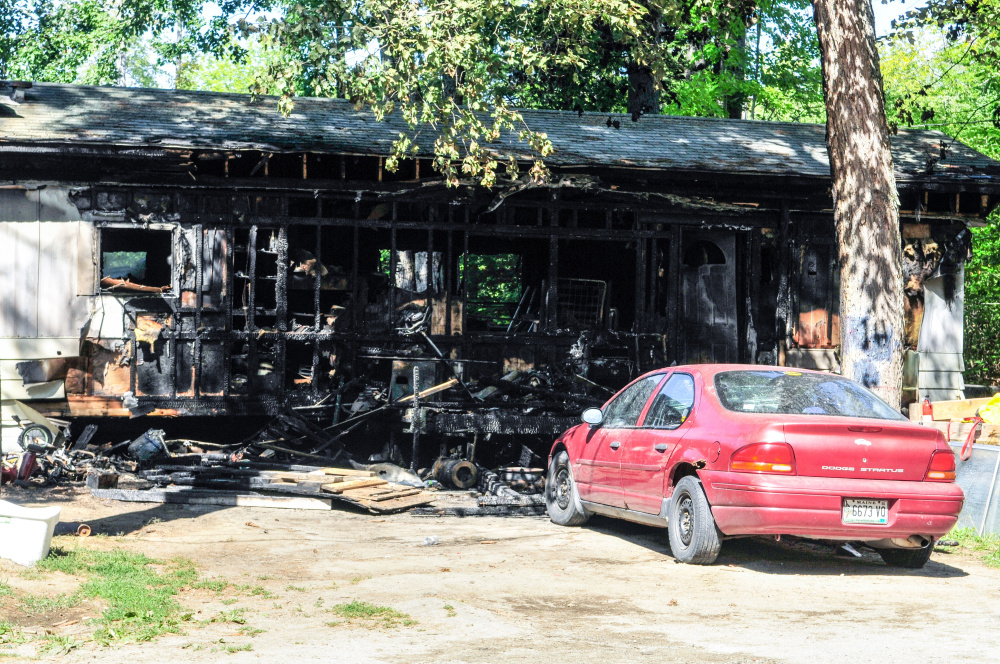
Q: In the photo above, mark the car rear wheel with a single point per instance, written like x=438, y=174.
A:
x=907, y=558
x=561, y=498
x=693, y=536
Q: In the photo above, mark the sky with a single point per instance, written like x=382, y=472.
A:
x=884, y=13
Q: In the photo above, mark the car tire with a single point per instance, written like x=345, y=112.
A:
x=562, y=501
x=694, y=539
x=907, y=558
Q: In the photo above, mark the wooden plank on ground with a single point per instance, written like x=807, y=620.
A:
x=348, y=472
x=341, y=487
x=400, y=504
x=390, y=495
x=281, y=476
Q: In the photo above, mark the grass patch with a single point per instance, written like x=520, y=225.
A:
x=215, y=585
x=5, y=589
x=229, y=601
x=34, y=605
x=54, y=645
x=247, y=630
x=139, y=597
x=256, y=591
x=451, y=610
x=298, y=589
x=246, y=647
x=11, y=634
x=234, y=616
x=30, y=574
x=355, y=580
x=986, y=547
x=370, y=615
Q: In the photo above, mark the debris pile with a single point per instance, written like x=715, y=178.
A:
x=262, y=470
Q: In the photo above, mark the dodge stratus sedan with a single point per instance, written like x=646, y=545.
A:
x=719, y=451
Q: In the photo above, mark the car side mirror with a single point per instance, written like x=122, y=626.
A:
x=593, y=416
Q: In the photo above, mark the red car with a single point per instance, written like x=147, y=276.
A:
x=718, y=451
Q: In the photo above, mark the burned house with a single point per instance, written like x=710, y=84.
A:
x=169, y=253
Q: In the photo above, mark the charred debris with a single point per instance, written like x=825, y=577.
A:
x=153, y=469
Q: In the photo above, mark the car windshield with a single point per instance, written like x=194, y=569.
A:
x=787, y=392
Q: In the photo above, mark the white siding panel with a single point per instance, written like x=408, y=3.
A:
x=86, y=258
x=19, y=311
x=60, y=312
x=8, y=280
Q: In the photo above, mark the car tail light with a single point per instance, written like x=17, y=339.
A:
x=764, y=458
x=941, y=467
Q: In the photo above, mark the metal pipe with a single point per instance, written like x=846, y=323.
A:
x=415, y=420
x=989, y=496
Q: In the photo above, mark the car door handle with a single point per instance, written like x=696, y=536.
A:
x=662, y=447
x=615, y=445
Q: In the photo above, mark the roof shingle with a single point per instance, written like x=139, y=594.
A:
x=73, y=114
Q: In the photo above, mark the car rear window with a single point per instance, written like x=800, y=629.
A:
x=788, y=392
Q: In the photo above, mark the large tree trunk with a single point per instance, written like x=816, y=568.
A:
x=643, y=97
x=864, y=198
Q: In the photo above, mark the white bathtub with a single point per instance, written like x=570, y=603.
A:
x=26, y=532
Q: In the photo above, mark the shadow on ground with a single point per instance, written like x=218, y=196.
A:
x=789, y=556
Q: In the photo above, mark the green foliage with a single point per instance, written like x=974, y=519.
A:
x=494, y=286
x=215, y=585
x=371, y=615
x=54, y=645
x=933, y=82
x=11, y=634
x=986, y=547
x=234, y=616
x=787, y=80
x=99, y=42
x=982, y=306
x=256, y=591
x=462, y=67
x=139, y=598
x=207, y=71
x=34, y=605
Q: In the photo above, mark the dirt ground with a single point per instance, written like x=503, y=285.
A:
x=516, y=589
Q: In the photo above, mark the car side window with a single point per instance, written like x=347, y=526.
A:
x=672, y=404
x=625, y=410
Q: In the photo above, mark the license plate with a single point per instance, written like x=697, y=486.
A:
x=865, y=510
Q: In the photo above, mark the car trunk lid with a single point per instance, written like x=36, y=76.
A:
x=855, y=448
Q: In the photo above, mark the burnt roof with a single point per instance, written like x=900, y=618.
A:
x=57, y=114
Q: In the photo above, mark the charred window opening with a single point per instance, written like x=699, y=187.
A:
x=494, y=289
x=704, y=252
x=136, y=259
